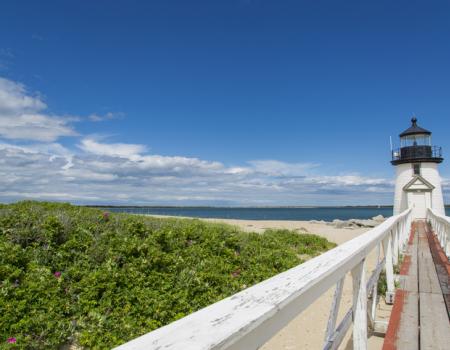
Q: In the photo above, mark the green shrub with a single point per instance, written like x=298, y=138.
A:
x=73, y=275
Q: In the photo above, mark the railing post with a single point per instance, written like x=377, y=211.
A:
x=409, y=223
x=394, y=234
x=405, y=236
x=373, y=309
x=401, y=237
x=441, y=227
x=331, y=326
x=439, y=231
x=443, y=239
x=359, y=307
x=387, y=248
x=447, y=241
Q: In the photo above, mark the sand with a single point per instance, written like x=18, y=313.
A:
x=307, y=331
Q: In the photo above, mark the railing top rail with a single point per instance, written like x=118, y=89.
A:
x=251, y=317
x=439, y=216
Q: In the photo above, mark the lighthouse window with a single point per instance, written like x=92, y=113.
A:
x=416, y=168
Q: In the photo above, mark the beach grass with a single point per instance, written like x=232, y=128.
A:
x=79, y=276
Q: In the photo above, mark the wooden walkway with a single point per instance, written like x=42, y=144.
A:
x=420, y=318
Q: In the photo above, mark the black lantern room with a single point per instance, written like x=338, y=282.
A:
x=415, y=146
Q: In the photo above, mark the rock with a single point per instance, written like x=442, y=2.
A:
x=318, y=222
x=363, y=223
x=379, y=218
x=340, y=223
x=354, y=223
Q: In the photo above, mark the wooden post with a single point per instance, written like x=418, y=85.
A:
x=401, y=237
x=387, y=248
x=331, y=326
x=446, y=245
x=373, y=309
x=404, y=235
x=394, y=234
x=438, y=231
x=359, y=307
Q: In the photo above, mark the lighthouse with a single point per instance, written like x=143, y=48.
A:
x=417, y=182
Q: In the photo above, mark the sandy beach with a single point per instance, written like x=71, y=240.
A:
x=307, y=331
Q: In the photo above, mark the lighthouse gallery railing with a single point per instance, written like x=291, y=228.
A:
x=441, y=227
x=248, y=319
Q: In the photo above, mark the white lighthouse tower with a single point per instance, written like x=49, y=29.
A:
x=417, y=183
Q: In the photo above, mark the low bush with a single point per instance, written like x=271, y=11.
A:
x=71, y=275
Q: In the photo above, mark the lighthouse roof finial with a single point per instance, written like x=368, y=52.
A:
x=414, y=129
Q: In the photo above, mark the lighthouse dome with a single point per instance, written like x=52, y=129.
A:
x=415, y=130
x=416, y=146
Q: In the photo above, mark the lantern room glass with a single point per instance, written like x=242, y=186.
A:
x=415, y=140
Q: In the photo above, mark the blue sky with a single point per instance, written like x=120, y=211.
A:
x=216, y=102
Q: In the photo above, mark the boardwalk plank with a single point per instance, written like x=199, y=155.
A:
x=408, y=333
x=420, y=320
x=428, y=280
x=434, y=324
x=411, y=280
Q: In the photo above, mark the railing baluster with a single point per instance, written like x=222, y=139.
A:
x=331, y=326
x=441, y=229
x=373, y=310
x=359, y=307
x=394, y=234
x=387, y=248
x=447, y=241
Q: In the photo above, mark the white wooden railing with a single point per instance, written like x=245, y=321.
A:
x=248, y=319
x=441, y=227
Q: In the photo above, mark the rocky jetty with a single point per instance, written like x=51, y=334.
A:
x=356, y=223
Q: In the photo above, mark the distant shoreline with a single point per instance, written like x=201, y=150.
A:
x=297, y=213
x=240, y=207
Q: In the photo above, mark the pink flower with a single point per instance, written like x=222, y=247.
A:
x=11, y=340
x=106, y=216
x=57, y=274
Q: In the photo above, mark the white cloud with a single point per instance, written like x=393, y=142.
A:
x=14, y=98
x=23, y=117
x=35, y=127
x=277, y=168
x=347, y=180
x=108, y=116
x=124, y=173
x=97, y=171
x=125, y=150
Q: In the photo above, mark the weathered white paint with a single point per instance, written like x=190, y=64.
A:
x=405, y=199
x=388, y=249
x=374, y=291
x=441, y=226
x=359, y=306
x=341, y=330
x=331, y=325
x=249, y=318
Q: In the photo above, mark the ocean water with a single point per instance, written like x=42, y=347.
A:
x=321, y=213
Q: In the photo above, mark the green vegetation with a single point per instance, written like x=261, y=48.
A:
x=382, y=281
x=74, y=275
